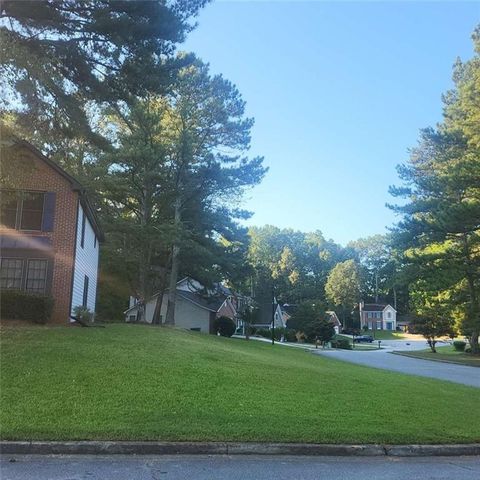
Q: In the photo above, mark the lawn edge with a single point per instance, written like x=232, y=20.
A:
x=232, y=448
x=408, y=354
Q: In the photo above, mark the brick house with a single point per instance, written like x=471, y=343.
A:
x=49, y=233
x=378, y=316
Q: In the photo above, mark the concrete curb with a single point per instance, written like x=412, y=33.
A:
x=232, y=448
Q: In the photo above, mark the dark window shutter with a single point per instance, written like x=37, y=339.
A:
x=82, y=241
x=48, y=212
x=85, y=290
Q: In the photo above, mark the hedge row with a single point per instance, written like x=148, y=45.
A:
x=17, y=305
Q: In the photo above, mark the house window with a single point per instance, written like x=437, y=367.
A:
x=82, y=241
x=36, y=276
x=22, y=210
x=32, y=211
x=389, y=314
x=9, y=206
x=85, y=291
x=11, y=273
x=379, y=325
x=369, y=315
x=378, y=315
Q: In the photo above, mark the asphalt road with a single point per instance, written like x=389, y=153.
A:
x=119, y=467
x=412, y=366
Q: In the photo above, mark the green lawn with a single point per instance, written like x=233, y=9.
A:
x=137, y=382
x=446, y=353
x=384, y=334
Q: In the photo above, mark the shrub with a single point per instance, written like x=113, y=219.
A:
x=278, y=333
x=459, y=345
x=290, y=335
x=319, y=329
x=342, y=343
x=365, y=328
x=225, y=326
x=468, y=350
x=263, y=332
x=18, y=305
x=84, y=314
x=251, y=330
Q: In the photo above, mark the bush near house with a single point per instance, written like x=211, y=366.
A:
x=342, y=343
x=459, y=345
x=225, y=326
x=18, y=305
x=84, y=314
x=278, y=333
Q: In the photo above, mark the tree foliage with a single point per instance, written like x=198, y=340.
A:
x=343, y=286
x=60, y=56
x=440, y=229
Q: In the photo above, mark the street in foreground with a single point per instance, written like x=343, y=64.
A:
x=120, y=467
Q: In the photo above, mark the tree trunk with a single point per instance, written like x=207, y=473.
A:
x=172, y=287
x=394, y=297
x=474, y=342
x=474, y=310
x=158, y=304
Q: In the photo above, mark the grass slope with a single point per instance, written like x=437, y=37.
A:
x=139, y=382
x=384, y=334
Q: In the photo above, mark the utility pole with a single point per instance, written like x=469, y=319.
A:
x=273, y=314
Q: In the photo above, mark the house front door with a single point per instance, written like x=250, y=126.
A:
x=389, y=325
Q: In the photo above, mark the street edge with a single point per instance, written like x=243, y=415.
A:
x=231, y=448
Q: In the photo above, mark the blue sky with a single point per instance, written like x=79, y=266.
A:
x=339, y=91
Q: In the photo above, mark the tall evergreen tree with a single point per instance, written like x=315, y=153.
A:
x=175, y=181
x=208, y=137
x=440, y=230
x=60, y=55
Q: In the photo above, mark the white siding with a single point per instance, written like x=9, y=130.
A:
x=86, y=263
x=390, y=315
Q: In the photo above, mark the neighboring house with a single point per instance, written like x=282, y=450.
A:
x=333, y=318
x=378, y=316
x=267, y=311
x=405, y=322
x=196, y=307
x=49, y=233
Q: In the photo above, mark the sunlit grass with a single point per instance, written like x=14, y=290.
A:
x=138, y=382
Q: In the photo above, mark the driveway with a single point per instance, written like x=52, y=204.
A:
x=386, y=360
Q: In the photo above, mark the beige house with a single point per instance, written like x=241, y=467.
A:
x=196, y=307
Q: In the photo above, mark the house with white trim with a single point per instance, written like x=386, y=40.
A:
x=49, y=231
x=196, y=307
x=332, y=317
x=378, y=316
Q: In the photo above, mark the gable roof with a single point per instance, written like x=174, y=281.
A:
x=375, y=307
x=332, y=317
x=76, y=186
x=212, y=303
